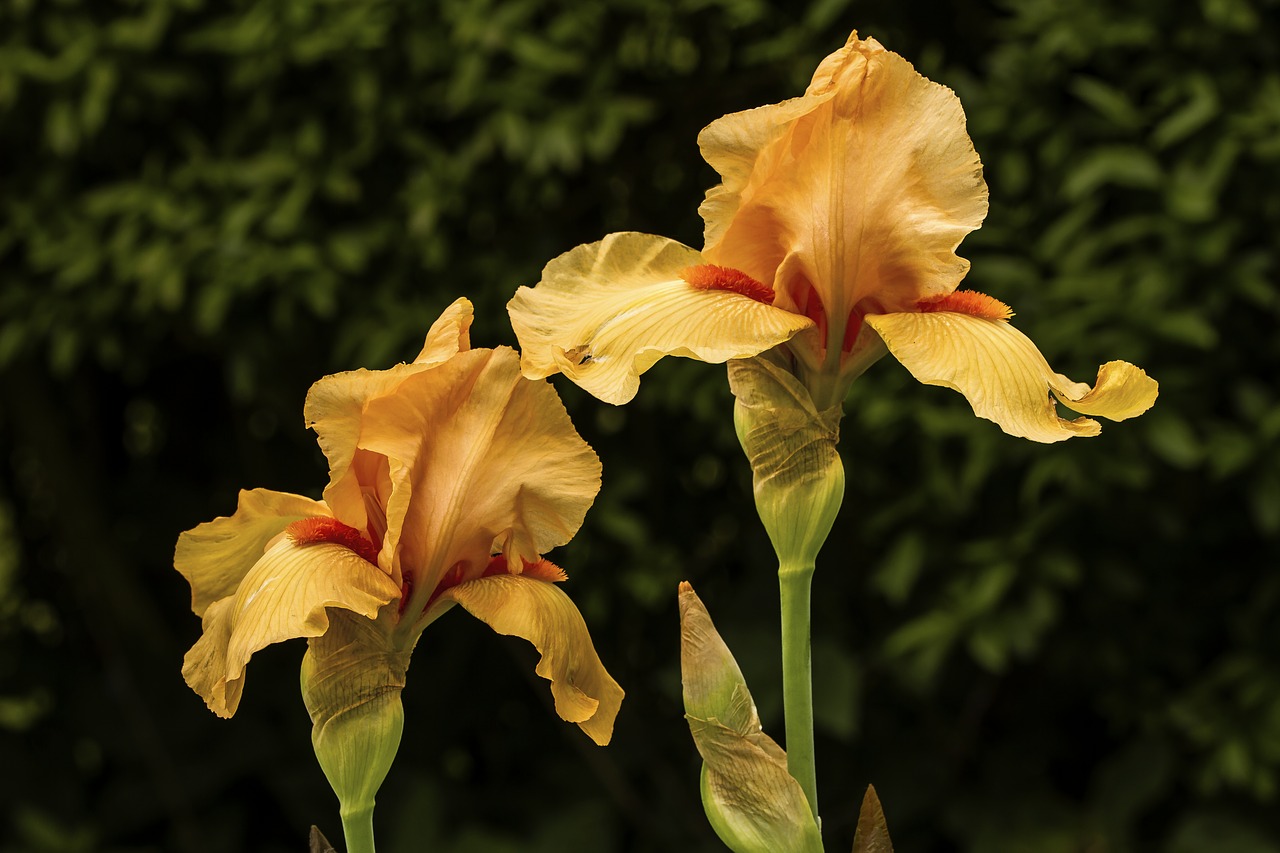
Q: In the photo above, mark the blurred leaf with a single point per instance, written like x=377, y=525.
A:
x=1123, y=166
x=1199, y=832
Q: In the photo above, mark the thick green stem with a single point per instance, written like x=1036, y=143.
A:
x=357, y=828
x=797, y=679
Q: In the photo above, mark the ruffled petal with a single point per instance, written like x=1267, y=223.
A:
x=481, y=459
x=215, y=556
x=605, y=312
x=284, y=595
x=1122, y=391
x=861, y=189
x=335, y=406
x=539, y=612
x=1005, y=378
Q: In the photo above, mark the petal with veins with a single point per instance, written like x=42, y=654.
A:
x=284, y=595
x=606, y=312
x=215, y=556
x=539, y=612
x=1005, y=378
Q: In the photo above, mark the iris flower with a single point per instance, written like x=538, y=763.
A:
x=448, y=480
x=833, y=232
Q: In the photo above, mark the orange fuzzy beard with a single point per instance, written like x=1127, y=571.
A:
x=969, y=302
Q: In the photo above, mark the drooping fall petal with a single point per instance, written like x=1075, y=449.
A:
x=480, y=457
x=284, y=595
x=861, y=189
x=1005, y=378
x=335, y=406
x=752, y=801
x=215, y=556
x=606, y=312
x=539, y=612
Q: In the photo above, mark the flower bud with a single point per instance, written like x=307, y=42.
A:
x=751, y=800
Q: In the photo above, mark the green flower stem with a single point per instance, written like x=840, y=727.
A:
x=795, y=582
x=357, y=828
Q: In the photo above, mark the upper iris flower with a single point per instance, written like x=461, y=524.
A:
x=449, y=478
x=833, y=233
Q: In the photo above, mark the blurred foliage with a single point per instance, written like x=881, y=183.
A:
x=206, y=206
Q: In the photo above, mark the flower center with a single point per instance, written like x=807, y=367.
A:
x=969, y=302
x=321, y=528
x=543, y=570
x=713, y=277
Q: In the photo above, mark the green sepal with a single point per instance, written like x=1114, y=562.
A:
x=352, y=677
x=797, y=474
x=751, y=801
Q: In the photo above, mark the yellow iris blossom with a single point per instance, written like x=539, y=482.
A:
x=448, y=479
x=833, y=233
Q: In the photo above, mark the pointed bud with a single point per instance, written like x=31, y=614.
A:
x=351, y=682
x=752, y=802
x=798, y=477
x=872, y=834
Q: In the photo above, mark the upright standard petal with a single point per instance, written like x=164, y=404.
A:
x=539, y=612
x=858, y=192
x=335, y=407
x=481, y=459
x=1005, y=378
x=449, y=335
x=284, y=595
x=215, y=556
x=606, y=312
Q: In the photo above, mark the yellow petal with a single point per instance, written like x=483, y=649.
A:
x=1004, y=376
x=1122, y=391
x=539, y=612
x=449, y=335
x=605, y=312
x=284, y=595
x=215, y=556
x=861, y=189
x=480, y=457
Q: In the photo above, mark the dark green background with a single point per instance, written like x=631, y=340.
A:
x=205, y=206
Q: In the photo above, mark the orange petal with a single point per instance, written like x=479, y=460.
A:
x=480, y=459
x=863, y=187
x=335, y=406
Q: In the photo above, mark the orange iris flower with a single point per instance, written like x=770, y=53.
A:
x=448, y=479
x=832, y=233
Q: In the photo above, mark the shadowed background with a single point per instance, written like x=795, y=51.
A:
x=204, y=207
